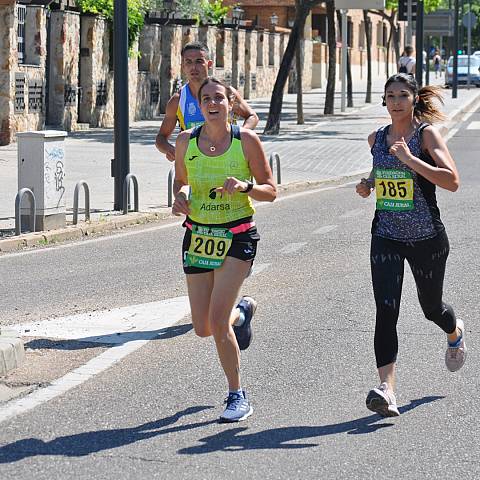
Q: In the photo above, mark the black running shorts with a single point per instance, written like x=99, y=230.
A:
x=244, y=246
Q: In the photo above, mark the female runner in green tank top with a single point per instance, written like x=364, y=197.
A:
x=213, y=167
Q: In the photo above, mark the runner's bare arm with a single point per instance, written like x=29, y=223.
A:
x=366, y=185
x=167, y=127
x=180, y=185
x=265, y=188
x=444, y=173
x=242, y=109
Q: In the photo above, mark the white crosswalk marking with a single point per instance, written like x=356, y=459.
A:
x=143, y=323
x=474, y=126
x=292, y=247
x=324, y=229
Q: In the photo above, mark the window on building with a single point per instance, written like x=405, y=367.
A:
x=385, y=35
x=319, y=23
x=271, y=49
x=380, y=34
x=220, y=49
x=260, y=50
x=361, y=35
x=21, y=15
x=350, y=33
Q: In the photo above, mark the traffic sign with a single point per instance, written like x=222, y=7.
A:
x=438, y=23
x=469, y=20
x=360, y=4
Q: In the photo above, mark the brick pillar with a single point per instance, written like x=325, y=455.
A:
x=8, y=56
x=64, y=50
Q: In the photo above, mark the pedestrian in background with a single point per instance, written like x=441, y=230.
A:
x=406, y=63
x=213, y=166
x=410, y=158
x=437, y=63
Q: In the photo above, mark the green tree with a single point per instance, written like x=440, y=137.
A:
x=302, y=10
x=136, y=15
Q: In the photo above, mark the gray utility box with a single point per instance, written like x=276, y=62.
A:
x=41, y=168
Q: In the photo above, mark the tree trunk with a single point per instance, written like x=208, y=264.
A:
x=299, y=68
x=349, y=81
x=332, y=42
x=349, y=66
x=368, y=40
x=273, y=121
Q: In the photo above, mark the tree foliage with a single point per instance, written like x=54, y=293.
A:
x=136, y=14
x=205, y=11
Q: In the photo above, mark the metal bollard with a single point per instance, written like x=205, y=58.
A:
x=126, y=193
x=81, y=183
x=277, y=161
x=171, y=174
x=33, y=209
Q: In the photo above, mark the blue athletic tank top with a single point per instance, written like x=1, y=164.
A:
x=423, y=220
x=189, y=114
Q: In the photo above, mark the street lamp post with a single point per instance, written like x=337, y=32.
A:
x=237, y=15
x=121, y=149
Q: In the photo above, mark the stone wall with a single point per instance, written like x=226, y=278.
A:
x=8, y=51
x=63, y=73
x=96, y=108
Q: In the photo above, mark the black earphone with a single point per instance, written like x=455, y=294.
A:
x=384, y=103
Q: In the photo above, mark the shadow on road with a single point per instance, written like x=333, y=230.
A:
x=86, y=443
x=277, y=438
x=113, y=339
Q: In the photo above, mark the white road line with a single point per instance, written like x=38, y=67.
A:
x=353, y=213
x=455, y=130
x=324, y=229
x=114, y=326
x=172, y=311
x=474, y=126
x=292, y=247
x=259, y=268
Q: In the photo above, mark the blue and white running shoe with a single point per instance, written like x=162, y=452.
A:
x=238, y=408
x=243, y=333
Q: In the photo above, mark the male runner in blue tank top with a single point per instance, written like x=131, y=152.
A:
x=183, y=106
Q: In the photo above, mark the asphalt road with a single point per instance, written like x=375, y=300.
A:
x=153, y=415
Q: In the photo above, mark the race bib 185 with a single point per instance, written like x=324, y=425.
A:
x=394, y=189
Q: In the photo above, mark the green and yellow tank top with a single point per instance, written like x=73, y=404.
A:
x=205, y=174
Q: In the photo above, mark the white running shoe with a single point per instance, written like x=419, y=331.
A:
x=456, y=354
x=382, y=400
x=238, y=408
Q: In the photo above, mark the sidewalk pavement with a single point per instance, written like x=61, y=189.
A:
x=324, y=148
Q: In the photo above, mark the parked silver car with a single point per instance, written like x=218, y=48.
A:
x=463, y=70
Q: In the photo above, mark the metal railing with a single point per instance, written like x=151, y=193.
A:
x=276, y=156
x=126, y=193
x=33, y=209
x=81, y=183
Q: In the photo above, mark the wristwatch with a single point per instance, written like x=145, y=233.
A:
x=249, y=187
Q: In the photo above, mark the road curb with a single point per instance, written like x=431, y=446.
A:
x=110, y=224
x=81, y=230
x=12, y=352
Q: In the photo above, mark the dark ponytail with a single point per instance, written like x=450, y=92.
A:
x=427, y=108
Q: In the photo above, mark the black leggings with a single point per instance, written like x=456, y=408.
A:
x=427, y=259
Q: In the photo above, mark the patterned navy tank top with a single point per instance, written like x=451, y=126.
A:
x=406, y=202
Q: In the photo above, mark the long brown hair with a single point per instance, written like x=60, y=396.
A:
x=430, y=98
